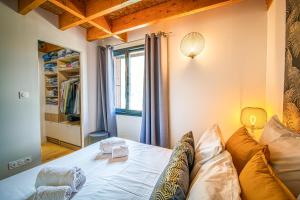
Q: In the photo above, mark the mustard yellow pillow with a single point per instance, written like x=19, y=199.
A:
x=242, y=147
x=258, y=181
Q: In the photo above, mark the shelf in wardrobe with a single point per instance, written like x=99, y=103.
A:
x=50, y=74
x=51, y=96
x=51, y=104
x=51, y=86
x=69, y=69
x=68, y=59
x=51, y=61
x=75, y=123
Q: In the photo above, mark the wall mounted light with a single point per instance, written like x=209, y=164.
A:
x=253, y=118
x=192, y=44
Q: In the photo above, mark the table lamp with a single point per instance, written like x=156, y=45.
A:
x=253, y=118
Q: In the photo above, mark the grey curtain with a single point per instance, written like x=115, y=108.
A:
x=155, y=118
x=106, y=118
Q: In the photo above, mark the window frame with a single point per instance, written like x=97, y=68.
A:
x=125, y=52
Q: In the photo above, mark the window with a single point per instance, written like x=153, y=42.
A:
x=129, y=78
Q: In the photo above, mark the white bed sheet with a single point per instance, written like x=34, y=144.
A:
x=123, y=178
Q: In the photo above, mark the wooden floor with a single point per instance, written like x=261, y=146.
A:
x=51, y=151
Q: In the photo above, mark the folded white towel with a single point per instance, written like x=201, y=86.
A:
x=53, y=193
x=107, y=145
x=58, y=176
x=119, y=151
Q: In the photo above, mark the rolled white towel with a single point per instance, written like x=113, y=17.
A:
x=53, y=193
x=80, y=179
x=59, y=176
x=119, y=151
x=107, y=145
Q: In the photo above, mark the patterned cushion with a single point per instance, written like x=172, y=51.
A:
x=173, y=183
x=184, y=148
x=189, y=138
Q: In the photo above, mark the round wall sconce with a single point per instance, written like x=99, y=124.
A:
x=192, y=44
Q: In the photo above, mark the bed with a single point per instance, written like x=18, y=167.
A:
x=133, y=177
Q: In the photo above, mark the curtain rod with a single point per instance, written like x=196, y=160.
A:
x=165, y=34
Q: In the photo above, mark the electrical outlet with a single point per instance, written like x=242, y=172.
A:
x=28, y=160
x=12, y=165
x=19, y=162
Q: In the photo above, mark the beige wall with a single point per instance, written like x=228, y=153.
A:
x=228, y=75
x=275, y=58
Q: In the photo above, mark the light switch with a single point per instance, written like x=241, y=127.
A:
x=23, y=94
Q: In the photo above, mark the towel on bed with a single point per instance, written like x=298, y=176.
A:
x=119, y=151
x=107, y=145
x=53, y=193
x=59, y=176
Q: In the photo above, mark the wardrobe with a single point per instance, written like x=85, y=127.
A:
x=60, y=95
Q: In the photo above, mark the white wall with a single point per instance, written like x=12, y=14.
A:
x=229, y=74
x=276, y=58
x=20, y=119
x=91, y=89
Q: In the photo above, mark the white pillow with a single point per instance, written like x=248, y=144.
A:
x=284, y=146
x=217, y=179
x=209, y=145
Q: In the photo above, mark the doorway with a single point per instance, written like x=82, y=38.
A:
x=60, y=100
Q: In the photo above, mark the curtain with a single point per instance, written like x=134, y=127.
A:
x=155, y=117
x=106, y=118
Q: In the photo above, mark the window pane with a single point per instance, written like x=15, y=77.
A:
x=120, y=84
x=136, y=79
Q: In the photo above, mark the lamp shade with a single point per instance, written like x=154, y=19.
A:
x=192, y=44
x=254, y=118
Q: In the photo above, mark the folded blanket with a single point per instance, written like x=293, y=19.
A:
x=58, y=176
x=53, y=193
x=107, y=145
x=119, y=151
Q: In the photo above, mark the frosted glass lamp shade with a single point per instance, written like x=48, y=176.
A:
x=192, y=44
x=254, y=118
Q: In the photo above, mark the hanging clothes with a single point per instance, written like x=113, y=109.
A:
x=70, y=97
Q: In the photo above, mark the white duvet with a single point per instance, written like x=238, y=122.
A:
x=123, y=178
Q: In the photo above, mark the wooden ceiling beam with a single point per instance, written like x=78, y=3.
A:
x=168, y=10
x=25, y=6
x=122, y=37
x=74, y=7
x=94, y=10
x=269, y=2
x=98, y=34
x=101, y=24
x=67, y=20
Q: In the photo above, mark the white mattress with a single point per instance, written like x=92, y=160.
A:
x=131, y=178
